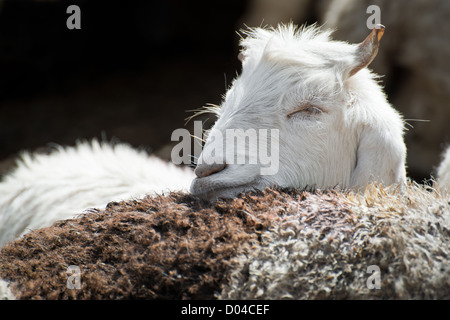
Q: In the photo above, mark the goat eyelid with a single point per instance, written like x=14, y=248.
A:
x=307, y=108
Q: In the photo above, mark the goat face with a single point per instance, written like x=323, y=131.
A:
x=300, y=104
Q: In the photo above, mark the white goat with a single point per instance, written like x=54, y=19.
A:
x=335, y=124
x=335, y=129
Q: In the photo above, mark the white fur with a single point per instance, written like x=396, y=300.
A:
x=356, y=140
x=46, y=188
x=5, y=291
x=444, y=172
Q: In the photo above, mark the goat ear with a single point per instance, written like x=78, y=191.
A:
x=367, y=50
x=379, y=158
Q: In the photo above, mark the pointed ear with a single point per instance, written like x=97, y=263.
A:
x=367, y=50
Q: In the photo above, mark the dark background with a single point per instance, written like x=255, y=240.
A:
x=129, y=74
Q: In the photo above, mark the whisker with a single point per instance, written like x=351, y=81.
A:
x=417, y=120
x=198, y=138
x=208, y=108
x=194, y=161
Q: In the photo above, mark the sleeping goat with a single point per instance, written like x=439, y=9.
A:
x=334, y=124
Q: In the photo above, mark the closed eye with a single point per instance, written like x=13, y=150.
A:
x=307, y=109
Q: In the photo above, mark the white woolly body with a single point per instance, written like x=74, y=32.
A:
x=45, y=188
x=355, y=138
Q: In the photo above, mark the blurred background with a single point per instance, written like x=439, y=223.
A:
x=135, y=67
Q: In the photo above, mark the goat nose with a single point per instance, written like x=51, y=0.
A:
x=204, y=170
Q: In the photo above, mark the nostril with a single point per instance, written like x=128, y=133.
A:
x=206, y=170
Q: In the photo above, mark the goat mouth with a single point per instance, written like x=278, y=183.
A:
x=213, y=192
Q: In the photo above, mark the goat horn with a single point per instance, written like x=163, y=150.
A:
x=368, y=49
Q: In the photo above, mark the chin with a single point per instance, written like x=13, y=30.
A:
x=212, y=192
